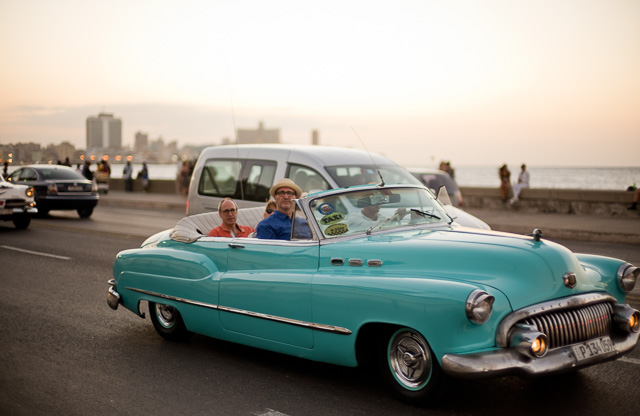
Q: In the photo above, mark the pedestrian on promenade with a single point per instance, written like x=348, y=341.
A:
x=636, y=198
x=184, y=177
x=523, y=183
x=228, y=212
x=5, y=170
x=127, y=175
x=86, y=170
x=446, y=167
x=144, y=175
x=505, y=182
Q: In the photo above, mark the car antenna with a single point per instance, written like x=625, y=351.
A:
x=235, y=127
x=381, y=184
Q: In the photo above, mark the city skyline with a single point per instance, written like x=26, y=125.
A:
x=493, y=82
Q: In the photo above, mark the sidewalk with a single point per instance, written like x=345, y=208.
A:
x=554, y=226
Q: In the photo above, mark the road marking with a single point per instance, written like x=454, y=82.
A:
x=630, y=360
x=37, y=253
x=269, y=412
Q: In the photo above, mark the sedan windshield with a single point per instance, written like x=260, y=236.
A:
x=366, y=211
x=346, y=176
x=61, y=174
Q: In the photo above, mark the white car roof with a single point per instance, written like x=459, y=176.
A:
x=311, y=155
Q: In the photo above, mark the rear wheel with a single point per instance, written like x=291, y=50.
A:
x=410, y=368
x=168, y=322
x=85, y=212
x=21, y=221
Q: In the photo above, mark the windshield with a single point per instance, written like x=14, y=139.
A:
x=346, y=176
x=369, y=210
x=60, y=174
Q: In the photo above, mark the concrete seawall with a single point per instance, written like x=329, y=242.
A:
x=554, y=201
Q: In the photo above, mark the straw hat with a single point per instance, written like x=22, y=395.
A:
x=285, y=183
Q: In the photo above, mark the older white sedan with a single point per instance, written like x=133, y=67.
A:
x=16, y=203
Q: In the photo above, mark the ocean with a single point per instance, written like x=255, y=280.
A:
x=487, y=176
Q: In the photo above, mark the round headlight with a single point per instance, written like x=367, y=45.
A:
x=29, y=192
x=627, y=277
x=479, y=306
x=539, y=346
x=634, y=322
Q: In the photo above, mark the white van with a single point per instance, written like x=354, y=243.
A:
x=247, y=172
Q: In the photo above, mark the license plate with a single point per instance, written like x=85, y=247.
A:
x=592, y=348
x=6, y=211
x=74, y=188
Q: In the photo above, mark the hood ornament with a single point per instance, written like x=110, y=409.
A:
x=536, y=234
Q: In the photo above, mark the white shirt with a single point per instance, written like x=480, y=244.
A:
x=359, y=222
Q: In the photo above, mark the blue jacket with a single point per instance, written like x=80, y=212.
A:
x=277, y=226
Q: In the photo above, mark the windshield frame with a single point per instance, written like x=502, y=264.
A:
x=332, y=213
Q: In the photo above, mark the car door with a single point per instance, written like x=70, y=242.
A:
x=266, y=291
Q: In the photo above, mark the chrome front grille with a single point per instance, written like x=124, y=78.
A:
x=570, y=326
x=14, y=203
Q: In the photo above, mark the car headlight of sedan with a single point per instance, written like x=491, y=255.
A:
x=479, y=306
x=29, y=192
x=627, y=277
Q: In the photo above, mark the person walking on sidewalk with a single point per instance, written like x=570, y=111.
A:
x=127, y=175
x=523, y=183
x=144, y=175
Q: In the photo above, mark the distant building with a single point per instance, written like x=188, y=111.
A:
x=261, y=135
x=104, y=132
x=141, y=143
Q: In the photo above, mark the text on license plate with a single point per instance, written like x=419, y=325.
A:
x=592, y=348
x=74, y=188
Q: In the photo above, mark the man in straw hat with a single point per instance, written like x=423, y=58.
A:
x=277, y=226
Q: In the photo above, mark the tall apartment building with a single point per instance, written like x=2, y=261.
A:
x=141, y=142
x=104, y=132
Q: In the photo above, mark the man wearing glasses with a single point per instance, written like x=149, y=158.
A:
x=277, y=226
x=228, y=211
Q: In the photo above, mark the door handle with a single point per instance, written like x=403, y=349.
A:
x=236, y=245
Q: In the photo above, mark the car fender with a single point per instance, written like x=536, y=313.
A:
x=153, y=273
x=433, y=307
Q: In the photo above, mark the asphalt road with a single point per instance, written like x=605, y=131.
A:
x=64, y=351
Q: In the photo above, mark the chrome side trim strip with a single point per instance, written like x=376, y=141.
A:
x=295, y=322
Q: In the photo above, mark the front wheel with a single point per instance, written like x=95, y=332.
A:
x=410, y=368
x=168, y=322
x=21, y=221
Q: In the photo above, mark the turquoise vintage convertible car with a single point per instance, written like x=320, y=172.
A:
x=412, y=292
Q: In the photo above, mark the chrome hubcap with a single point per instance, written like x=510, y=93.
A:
x=166, y=315
x=410, y=359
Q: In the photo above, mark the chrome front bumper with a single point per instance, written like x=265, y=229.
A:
x=508, y=361
x=113, y=297
x=25, y=210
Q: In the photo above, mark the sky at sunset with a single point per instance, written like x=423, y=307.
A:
x=474, y=82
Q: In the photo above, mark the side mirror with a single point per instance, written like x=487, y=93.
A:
x=443, y=196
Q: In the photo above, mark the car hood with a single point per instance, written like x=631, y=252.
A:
x=526, y=271
x=12, y=190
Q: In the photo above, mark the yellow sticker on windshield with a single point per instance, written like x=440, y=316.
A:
x=336, y=229
x=332, y=218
